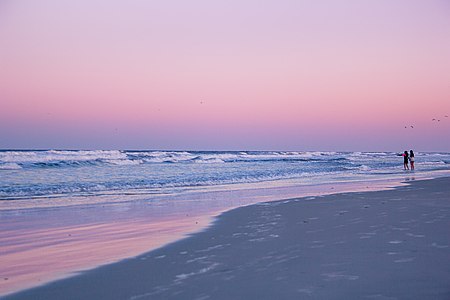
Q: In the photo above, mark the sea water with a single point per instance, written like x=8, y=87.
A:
x=41, y=176
x=64, y=211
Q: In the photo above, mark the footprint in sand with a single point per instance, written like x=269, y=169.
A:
x=401, y=228
x=339, y=276
x=415, y=235
x=309, y=290
x=395, y=242
x=381, y=297
x=404, y=260
x=436, y=245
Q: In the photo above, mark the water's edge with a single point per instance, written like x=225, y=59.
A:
x=183, y=221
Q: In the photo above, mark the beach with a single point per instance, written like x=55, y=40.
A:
x=64, y=212
x=57, y=239
x=224, y=150
x=389, y=244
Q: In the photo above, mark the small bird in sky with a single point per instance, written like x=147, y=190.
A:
x=412, y=126
x=446, y=116
x=433, y=120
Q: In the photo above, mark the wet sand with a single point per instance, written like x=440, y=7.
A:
x=40, y=243
x=390, y=244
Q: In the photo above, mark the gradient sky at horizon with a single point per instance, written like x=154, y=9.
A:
x=225, y=75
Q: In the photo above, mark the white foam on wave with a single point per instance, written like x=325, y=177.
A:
x=279, y=155
x=364, y=168
x=59, y=156
x=209, y=161
x=123, y=162
x=10, y=166
x=433, y=163
x=165, y=156
x=221, y=157
x=357, y=156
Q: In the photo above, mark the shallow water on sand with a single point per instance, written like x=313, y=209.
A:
x=347, y=240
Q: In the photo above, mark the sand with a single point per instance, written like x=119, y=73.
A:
x=365, y=245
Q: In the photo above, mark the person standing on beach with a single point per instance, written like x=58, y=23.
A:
x=405, y=160
x=411, y=159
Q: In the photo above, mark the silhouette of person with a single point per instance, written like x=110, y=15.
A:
x=405, y=160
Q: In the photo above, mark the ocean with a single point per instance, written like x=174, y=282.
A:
x=65, y=211
x=40, y=176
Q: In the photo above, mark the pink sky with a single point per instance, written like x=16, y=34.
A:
x=226, y=75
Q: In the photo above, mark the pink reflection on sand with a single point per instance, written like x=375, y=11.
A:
x=32, y=257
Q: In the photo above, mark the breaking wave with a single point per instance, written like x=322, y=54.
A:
x=68, y=172
x=65, y=158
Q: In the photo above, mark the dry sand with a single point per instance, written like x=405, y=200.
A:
x=364, y=245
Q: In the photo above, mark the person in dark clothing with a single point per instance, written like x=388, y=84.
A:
x=405, y=160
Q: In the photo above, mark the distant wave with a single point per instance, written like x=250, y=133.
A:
x=15, y=160
x=64, y=158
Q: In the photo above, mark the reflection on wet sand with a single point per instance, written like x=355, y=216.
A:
x=40, y=245
x=30, y=257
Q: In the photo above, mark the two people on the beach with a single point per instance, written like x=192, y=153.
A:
x=408, y=158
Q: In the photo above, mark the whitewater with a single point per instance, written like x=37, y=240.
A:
x=41, y=176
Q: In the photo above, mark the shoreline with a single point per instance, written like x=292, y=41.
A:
x=218, y=221
x=45, y=249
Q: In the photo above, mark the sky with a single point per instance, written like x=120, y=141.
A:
x=225, y=75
